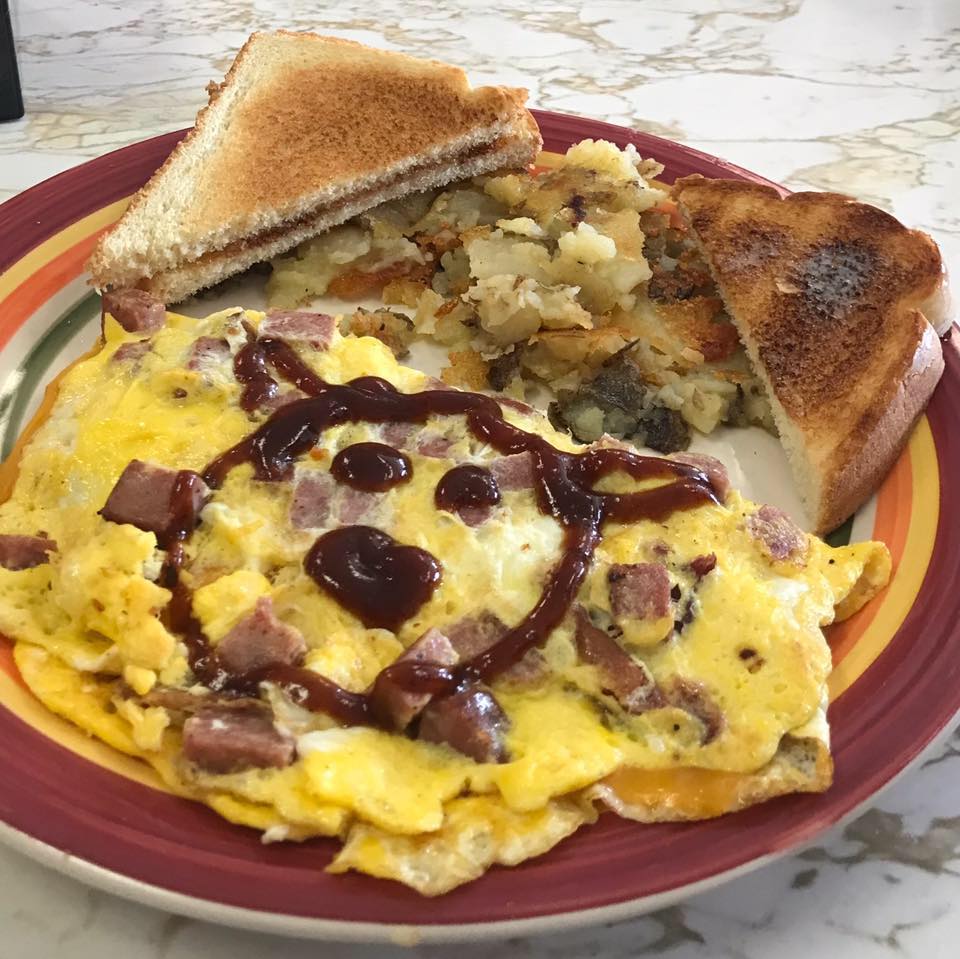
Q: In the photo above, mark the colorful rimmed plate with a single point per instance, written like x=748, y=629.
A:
x=76, y=805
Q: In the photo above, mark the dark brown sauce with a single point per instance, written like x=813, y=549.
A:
x=373, y=467
x=465, y=487
x=250, y=369
x=312, y=691
x=373, y=384
x=551, y=608
x=184, y=516
x=383, y=582
x=180, y=619
x=183, y=510
x=292, y=368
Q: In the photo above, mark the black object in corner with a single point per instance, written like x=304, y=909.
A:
x=11, y=100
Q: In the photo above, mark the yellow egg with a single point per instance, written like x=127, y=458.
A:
x=94, y=640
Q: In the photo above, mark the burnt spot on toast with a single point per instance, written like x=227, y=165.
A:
x=819, y=284
x=833, y=277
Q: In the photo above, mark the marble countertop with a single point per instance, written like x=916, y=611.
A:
x=861, y=97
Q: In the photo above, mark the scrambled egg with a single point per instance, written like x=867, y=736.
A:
x=91, y=641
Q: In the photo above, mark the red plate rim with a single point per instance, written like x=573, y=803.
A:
x=178, y=855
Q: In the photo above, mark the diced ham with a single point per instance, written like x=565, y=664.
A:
x=621, y=675
x=131, y=352
x=693, y=698
x=312, y=500
x=701, y=565
x=355, y=505
x=299, y=326
x=639, y=590
x=715, y=471
x=530, y=671
x=471, y=721
x=259, y=640
x=155, y=499
x=397, y=435
x=474, y=635
x=392, y=702
x=25, y=552
x=475, y=515
x=434, y=445
x=208, y=351
x=135, y=310
x=279, y=400
x=778, y=535
x=514, y=472
x=220, y=740
x=318, y=501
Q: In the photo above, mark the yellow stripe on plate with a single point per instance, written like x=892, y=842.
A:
x=41, y=255
x=901, y=594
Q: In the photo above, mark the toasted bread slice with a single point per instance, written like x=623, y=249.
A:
x=831, y=298
x=305, y=132
x=173, y=285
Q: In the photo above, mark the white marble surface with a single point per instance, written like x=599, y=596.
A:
x=858, y=96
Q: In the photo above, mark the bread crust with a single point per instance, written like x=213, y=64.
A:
x=172, y=286
x=300, y=122
x=827, y=295
x=857, y=467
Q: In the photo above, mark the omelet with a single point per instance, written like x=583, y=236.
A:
x=329, y=596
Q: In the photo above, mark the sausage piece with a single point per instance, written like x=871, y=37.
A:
x=299, y=326
x=397, y=706
x=639, y=590
x=259, y=640
x=135, y=310
x=471, y=721
x=25, y=552
x=155, y=499
x=779, y=537
x=221, y=740
x=620, y=674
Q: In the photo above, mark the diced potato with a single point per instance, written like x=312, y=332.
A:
x=555, y=354
x=467, y=370
x=512, y=308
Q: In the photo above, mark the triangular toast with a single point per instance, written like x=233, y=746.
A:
x=305, y=132
x=829, y=296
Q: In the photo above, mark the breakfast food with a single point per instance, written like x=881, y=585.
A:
x=578, y=277
x=359, y=172
x=588, y=279
x=836, y=303
x=305, y=132
x=328, y=596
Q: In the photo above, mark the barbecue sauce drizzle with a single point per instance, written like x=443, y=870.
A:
x=373, y=467
x=250, y=369
x=466, y=487
x=564, y=489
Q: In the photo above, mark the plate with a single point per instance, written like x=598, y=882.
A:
x=74, y=804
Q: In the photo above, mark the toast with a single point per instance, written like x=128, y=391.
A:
x=304, y=132
x=833, y=300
